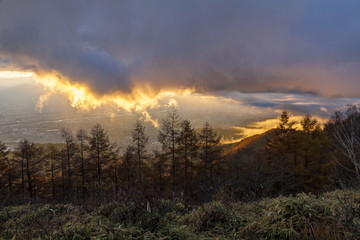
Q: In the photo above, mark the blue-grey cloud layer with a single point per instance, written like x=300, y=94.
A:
x=248, y=46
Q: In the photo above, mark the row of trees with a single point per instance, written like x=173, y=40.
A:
x=88, y=164
x=34, y=170
x=189, y=163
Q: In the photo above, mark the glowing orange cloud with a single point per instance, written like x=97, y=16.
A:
x=80, y=96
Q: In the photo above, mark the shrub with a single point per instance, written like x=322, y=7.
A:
x=216, y=218
x=292, y=217
x=346, y=208
x=209, y=215
x=34, y=221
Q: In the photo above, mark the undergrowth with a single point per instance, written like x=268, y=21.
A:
x=334, y=215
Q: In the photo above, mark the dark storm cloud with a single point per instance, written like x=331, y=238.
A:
x=248, y=46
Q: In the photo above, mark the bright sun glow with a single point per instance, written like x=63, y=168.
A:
x=15, y=74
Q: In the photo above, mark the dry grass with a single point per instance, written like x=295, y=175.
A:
x=334, y=215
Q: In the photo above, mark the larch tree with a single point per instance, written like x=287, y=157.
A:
x=100, y=149
x=282, y=155
x=82, y=143
x=4, y=165
x=284, y=144
x=209, y=150
x=139, y=142
x=114, y=165
x=168, y=137
x=188, y=146
x=70, y=153
x=314, y=173
x=159, y=165
x=128, y=157
x=284, y=122
x=310, y=127
x=53, y=158
x=31, y=156
x=11, y=173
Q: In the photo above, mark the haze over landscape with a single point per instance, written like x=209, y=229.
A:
x=236, y=64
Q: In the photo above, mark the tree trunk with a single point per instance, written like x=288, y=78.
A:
x=52, y=179
x=82, y=171
x=29, y=180
x=22, y=179
x=10, y=184
x=69, y=171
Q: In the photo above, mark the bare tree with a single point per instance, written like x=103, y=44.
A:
x=344, y=127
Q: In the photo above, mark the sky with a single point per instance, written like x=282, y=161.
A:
x=248, y=58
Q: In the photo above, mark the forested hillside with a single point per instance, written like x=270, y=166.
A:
x=191, y=186
x=188, y=164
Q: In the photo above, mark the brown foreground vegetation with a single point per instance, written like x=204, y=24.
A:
x=333, y=215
